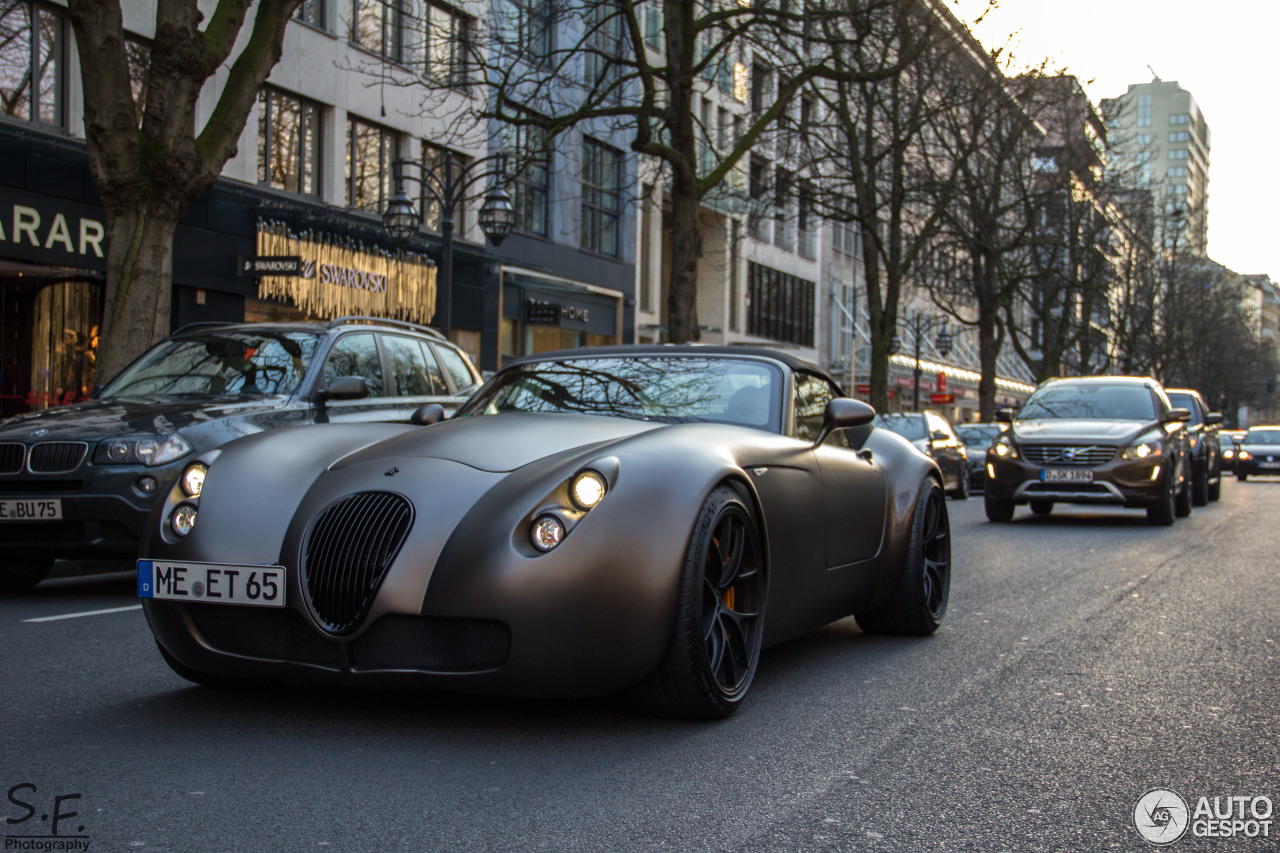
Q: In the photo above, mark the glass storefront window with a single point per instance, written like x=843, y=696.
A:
x=32, y=63
x=64, y=320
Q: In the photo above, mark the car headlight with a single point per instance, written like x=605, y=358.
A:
x=149, y=451
x=183, y=519
x=1142, y=450
x=1228, y=454
x=192, y=481
x=547, y=532
x=1244, y=454
x=587, y=490
x=1005, y=448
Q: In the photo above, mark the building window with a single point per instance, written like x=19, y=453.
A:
x=311, y=12
x=1177, y=171
x=601, y=71
x=288, y=143
x=784, y=231
x=601, y=197
x=761, y=87
x=1177, y=154
x=526, y=146
x=33, y=44
x=526, y=27
x=1180, y=118
x=758, y=213
x=1179, y=136
x=447, y=44
x=370, y=151
x=807, y=247
x=779, y=305
x=1144, y=111
x=377, y=26
x=1145, y=138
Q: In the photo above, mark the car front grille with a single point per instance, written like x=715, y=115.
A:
x=264, y=633
x=347, y=555
x=11, y=457
x=57, y=457
x=1068, y=454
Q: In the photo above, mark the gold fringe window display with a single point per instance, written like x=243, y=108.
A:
x=410, y=292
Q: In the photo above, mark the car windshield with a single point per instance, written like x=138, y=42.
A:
x=1262, y=436
x=217, y=363
x=1186, y=401
x=908, y=426
x=977, y=436
x=1090, y=401
x=1226, y=440
x=672, y=389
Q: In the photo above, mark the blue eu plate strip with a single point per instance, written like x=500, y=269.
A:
x=144, y=579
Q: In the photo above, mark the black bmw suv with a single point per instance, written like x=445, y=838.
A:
x=78, y=481
x=1092, y=440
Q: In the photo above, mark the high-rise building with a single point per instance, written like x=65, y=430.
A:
x=1159, y=141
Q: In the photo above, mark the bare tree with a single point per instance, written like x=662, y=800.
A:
x=641, y=68
x=148, y=170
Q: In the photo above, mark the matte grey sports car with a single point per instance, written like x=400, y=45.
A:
x=638, y=519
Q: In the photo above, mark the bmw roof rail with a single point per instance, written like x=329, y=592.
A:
x=383, y=321
x=186, y=327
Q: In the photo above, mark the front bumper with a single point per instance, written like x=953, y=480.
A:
x=1259, y=465
x=1131, y=483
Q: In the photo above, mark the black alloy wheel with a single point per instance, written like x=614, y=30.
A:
x=714, y=649
x=919, y=601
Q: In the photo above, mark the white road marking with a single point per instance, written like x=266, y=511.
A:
x=86, y=613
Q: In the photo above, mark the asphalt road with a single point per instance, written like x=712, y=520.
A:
x=1087, y=659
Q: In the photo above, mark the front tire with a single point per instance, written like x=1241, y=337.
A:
x=1162, y=514
x=997, y=511
x=714, y=648
x=1241, y=476
x=1182, y=501
x=1200, y=488
x=21, y=572
x=919, y=601
x=961, y=491
x=1215, y=489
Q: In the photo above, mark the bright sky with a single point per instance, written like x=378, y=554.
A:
x=1224, y=52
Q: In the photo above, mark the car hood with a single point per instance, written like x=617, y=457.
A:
x=119, y=416
x=502, y=443
x=1077, y=431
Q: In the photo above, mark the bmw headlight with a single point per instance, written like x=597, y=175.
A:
x=1142, y=450
x=145, y=450
x=1005, y=448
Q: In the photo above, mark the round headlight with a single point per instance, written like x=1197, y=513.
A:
x=118, y=450
x=146, y=448
x=193, y=479
x=547, y=532
x=183, y=519
x=587, y=490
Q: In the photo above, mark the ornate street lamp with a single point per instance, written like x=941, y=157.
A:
x=449, y=187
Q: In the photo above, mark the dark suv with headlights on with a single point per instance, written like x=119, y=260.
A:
x=1206, y=453
x=1258, y=452
x=1092, y=440
x=78, y=481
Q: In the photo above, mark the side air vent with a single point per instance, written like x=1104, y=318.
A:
x=347, y=554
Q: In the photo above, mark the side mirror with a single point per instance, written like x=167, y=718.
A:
x=939, y=435
x=1176, y=416
x=1004, y=416
x=1213, y=418
x=346, y=388
x=844, y=413
x=431, y=413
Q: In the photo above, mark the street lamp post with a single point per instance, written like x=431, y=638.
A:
x=921, y=325
x=401, y=219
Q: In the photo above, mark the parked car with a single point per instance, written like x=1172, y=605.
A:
x=78, y=481
x=1206, y=454
x=639, y=519
x=1228, y=439
x=977, y=438
x=1259, y=452
x=1092, y=440
x=933, y=436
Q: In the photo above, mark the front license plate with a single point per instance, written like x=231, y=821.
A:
x=212, y=583
x=1065, y=475
x=43, y=509
x=1269, y=464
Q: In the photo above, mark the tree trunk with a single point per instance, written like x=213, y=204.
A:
x=686, y=249
x=140, y=262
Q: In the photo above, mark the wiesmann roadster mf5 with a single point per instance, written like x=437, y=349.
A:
x=636, y=519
